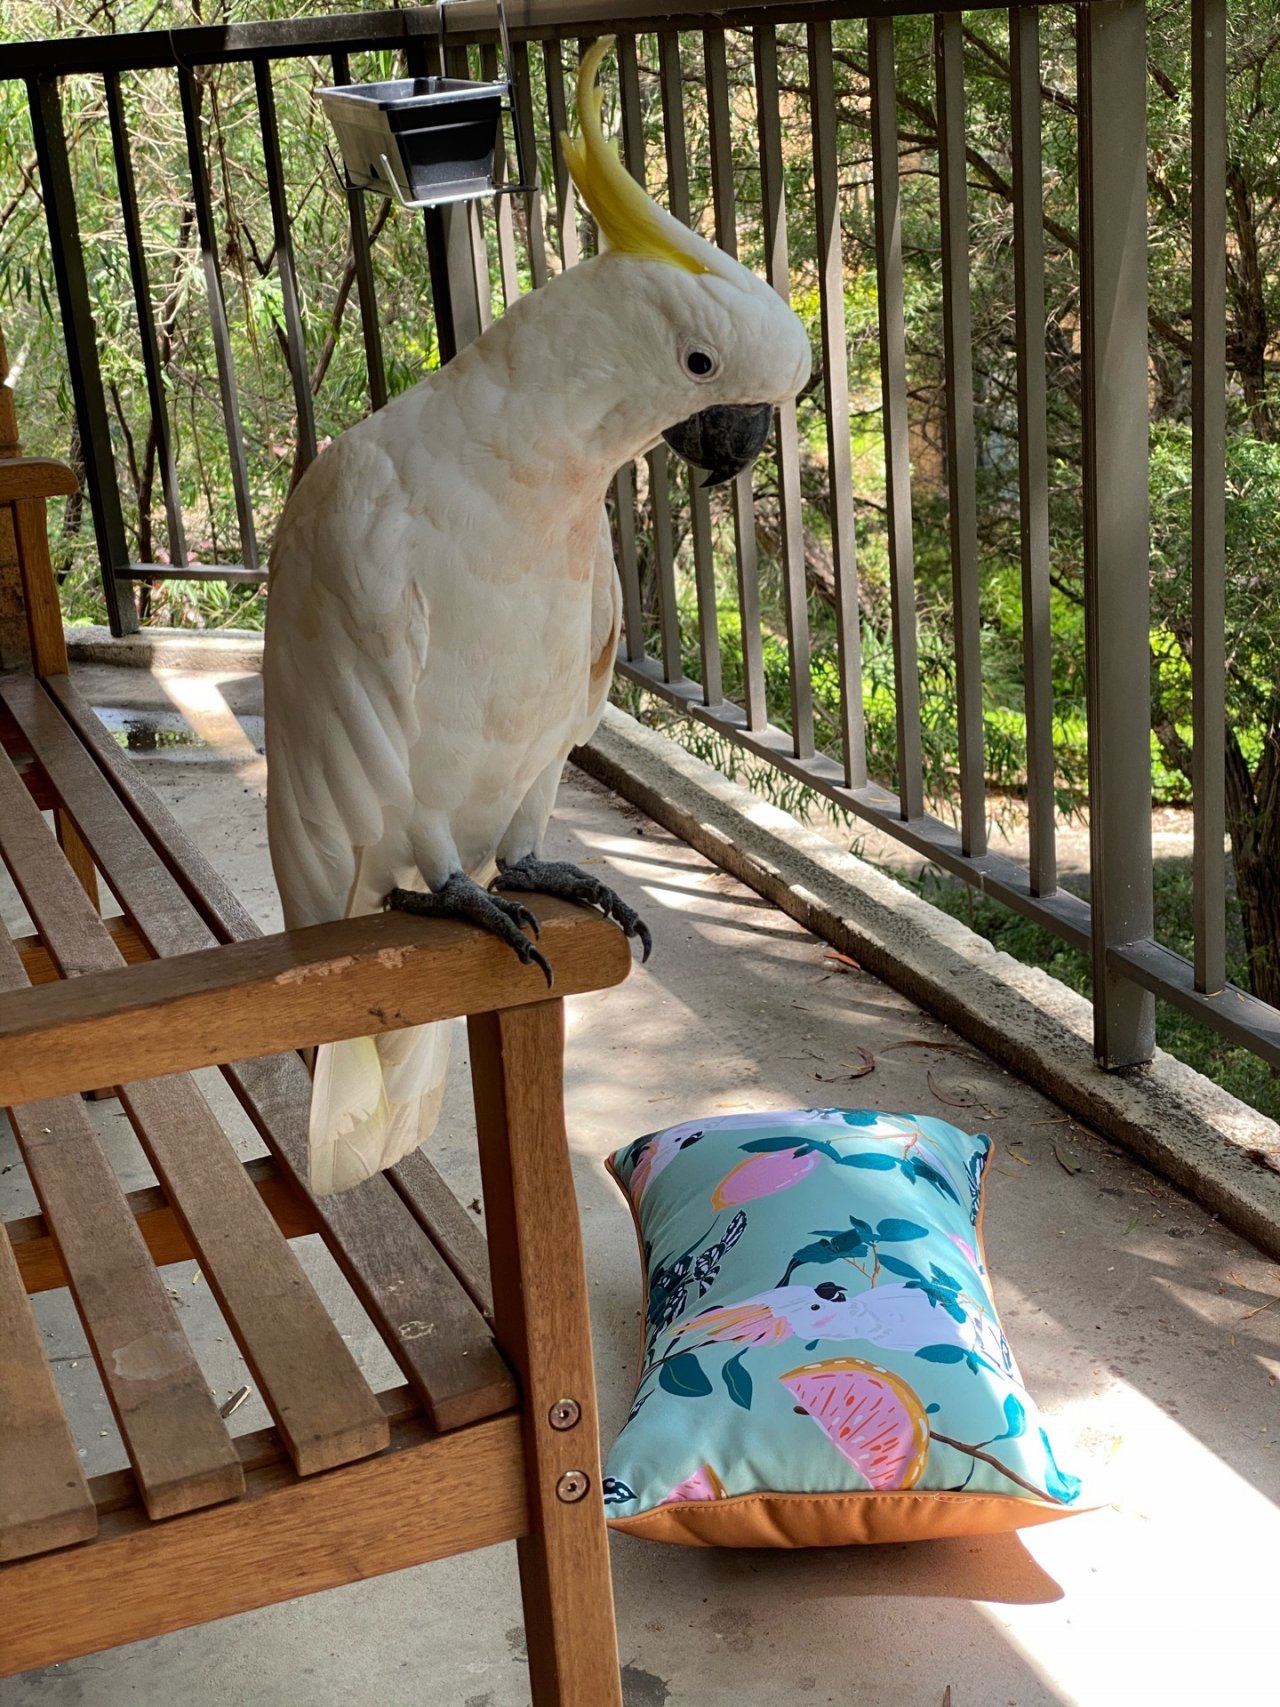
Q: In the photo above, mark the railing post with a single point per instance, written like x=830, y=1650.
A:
x=1113, y=290
x=45, y=104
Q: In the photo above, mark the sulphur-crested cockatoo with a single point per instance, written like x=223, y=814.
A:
x=444, y=605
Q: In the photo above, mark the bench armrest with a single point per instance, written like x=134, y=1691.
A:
x=35, y=477
x=350, y=979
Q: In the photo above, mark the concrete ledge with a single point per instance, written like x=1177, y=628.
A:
x=232, y=649
x=1217, y=1149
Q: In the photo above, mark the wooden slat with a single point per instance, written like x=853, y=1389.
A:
x=44, y=1499
x=448, y=1226
x=180, y=1450
x=181, y=1453
x=41, y=1267
x=432, y=1329
x=428, y=1498
x=397, y=1275
x=41, y=968
x=319, y=1399
x=540, y=1305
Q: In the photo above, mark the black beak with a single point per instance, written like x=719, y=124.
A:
x=724, y=440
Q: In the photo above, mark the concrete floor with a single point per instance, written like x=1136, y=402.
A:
x=1147, y=1334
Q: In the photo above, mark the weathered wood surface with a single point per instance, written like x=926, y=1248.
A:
x=41, y=1267
x=321, y=1403
x=23, y=477
x=179, y=903
x=427, y=1498
x=541, y=1317
x=44, y=1499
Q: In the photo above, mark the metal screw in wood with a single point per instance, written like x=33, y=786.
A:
x=565, y=1414
x=572, y=1486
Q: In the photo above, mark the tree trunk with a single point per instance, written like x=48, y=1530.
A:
x=1253, y=823
x=1248, y=350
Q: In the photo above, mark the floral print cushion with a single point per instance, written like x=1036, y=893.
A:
x=821, y=1358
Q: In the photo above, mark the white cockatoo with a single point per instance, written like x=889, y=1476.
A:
x=444, y=605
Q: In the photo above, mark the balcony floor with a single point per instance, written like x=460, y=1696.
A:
x=1142, y=1328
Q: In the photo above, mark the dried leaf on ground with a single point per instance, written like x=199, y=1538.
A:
x=841, y=962
x=1068, y=1159
x=968, y=1097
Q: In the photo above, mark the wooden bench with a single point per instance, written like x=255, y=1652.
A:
x=490, y=1436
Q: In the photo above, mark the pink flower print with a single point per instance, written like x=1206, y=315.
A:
x=762, y=1175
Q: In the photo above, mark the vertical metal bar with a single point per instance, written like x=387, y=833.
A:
x=44, y=99
x=366, y=289
x=295, y=337
x=893, y=380
x=625, y=484
x=719, y=124
x=535, y=223
x=451, y=319
x=659, y=472
x=1111, y=80
x=774, y=215
x=464, y=230
x=664, y=552
x=1208, y=484
x=218, y=315
x=1033, y=456
x=704, y=567
x=156, y=399
x=503, y=225
x=835, y=381
x=961, y=450
x=566, y=195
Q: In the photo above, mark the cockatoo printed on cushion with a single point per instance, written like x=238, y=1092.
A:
x=444, y=605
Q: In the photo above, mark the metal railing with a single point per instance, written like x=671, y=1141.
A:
x=1130, y=967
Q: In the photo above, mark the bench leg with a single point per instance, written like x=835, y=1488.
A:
x=541, y=1322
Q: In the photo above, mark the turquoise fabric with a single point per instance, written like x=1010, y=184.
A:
x=819, y=1317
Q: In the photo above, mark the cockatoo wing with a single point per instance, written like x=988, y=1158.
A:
x=341, y=712
x=342, y=722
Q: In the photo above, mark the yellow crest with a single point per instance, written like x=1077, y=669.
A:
x=629, y=221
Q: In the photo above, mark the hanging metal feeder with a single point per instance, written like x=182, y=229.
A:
x=426, y=141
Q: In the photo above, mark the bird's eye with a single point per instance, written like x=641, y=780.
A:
x=699, y=363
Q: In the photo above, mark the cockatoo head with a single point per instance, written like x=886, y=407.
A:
x=709, y=349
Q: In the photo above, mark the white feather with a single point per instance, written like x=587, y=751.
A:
x=443, y=613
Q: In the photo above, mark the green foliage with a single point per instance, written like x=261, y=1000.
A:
x=1236, y=1069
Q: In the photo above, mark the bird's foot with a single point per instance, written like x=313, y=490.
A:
x=461, y=898
x=558, y=877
